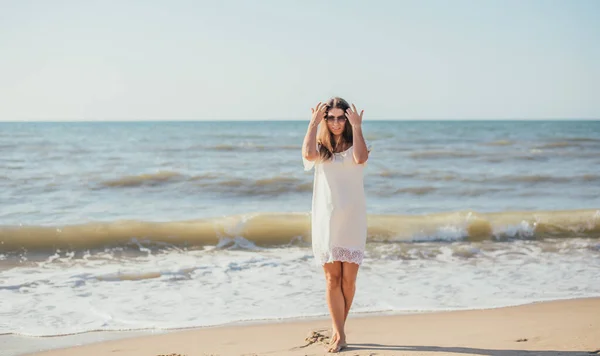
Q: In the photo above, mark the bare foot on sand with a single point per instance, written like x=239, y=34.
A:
x=337, y=344
x=334, y=337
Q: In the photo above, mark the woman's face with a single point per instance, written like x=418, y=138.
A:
x=336, y=121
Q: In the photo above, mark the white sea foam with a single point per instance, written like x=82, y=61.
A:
x=176, y=289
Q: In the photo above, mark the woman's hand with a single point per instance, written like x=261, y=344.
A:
x=309, y=146
x=353, y=116
x=318, y=113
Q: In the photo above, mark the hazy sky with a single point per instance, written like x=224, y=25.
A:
x=274, y=59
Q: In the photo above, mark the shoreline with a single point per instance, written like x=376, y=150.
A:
x=288, y=336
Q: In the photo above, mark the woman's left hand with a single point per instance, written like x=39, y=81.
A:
x=354, y=117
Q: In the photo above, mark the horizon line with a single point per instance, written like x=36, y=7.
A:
x=288, y=120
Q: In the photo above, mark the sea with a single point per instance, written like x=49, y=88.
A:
x=112, y=226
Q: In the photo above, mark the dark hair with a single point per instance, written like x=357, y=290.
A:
x=325, y=141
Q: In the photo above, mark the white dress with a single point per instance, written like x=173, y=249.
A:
x=339, y=211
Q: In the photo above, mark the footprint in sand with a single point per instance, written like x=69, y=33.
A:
x=314, y=337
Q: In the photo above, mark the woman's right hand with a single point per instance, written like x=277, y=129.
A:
x=318, y=113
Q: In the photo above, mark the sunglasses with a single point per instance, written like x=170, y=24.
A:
x=333, y=119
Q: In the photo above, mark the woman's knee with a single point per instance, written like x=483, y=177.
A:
x=348, y=284
x=334, y=280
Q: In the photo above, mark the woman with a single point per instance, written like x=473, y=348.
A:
x=339, y=216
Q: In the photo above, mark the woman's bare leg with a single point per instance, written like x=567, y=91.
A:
x=349, y=273
x=335, y=300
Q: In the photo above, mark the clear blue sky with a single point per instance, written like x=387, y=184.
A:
x=274, y=59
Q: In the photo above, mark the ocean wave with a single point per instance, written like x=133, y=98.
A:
x=379, y=136
x=559, y=144
x=245, y=187
x=245, y=147
x=535, y=178
x=415, y=190
x=500, y=143
x=213, y=182
x=443, y=154
x=575, y=142
x=541, y=178
x=279, y=229
x=149, y=179
x=582, y=139
x=394, y=174
x=435, y=175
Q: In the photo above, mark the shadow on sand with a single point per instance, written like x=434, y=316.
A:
x=467, y=350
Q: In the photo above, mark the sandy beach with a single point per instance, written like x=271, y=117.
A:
x=566, y=327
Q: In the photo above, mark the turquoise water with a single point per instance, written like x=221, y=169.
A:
x=65, y=173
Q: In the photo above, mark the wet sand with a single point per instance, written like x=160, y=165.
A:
x=567, y=328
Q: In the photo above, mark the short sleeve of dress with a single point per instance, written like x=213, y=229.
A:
x=369, y=150
x=308, y=165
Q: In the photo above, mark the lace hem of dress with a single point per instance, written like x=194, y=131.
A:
x=342, y=254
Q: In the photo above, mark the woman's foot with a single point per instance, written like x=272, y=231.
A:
x=334, y=337
x=337, y=344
